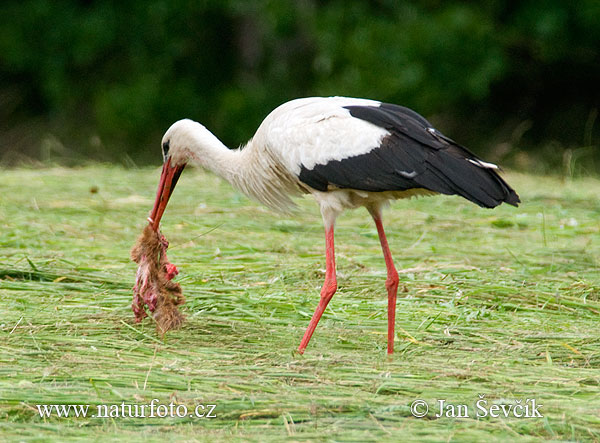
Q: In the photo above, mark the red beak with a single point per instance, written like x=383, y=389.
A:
x=166, y=185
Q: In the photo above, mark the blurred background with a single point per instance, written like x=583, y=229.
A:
x=81, y=81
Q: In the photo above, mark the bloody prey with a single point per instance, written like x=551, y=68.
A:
x=154, y=290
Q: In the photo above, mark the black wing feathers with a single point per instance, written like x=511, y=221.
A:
x=414, y=155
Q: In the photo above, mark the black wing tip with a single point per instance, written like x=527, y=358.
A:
x=509, y=196
x=513, y=199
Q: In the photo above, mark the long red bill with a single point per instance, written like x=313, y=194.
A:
x=166, y=185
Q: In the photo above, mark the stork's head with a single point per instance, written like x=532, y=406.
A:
x=185, y=141
x=176, y=153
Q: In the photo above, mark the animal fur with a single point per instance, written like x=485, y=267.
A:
x=154, y=287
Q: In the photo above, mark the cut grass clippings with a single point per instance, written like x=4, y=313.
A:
x=500, y=303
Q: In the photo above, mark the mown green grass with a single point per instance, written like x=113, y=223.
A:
x=500, y=302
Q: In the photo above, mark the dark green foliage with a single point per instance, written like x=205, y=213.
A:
x=107, y=78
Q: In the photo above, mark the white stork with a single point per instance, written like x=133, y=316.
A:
x=345, y=152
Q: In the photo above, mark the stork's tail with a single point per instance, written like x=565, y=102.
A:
x=468, y=176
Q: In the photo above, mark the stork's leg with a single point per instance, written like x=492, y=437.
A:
x=329, y=287
x=392, y=279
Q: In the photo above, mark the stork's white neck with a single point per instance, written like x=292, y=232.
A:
x=192, y=142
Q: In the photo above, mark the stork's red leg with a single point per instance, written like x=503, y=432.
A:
x=329, y=288
x=391, y=283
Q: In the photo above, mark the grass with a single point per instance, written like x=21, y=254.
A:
x=503, y=303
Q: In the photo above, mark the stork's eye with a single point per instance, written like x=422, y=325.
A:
x=165, y=148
